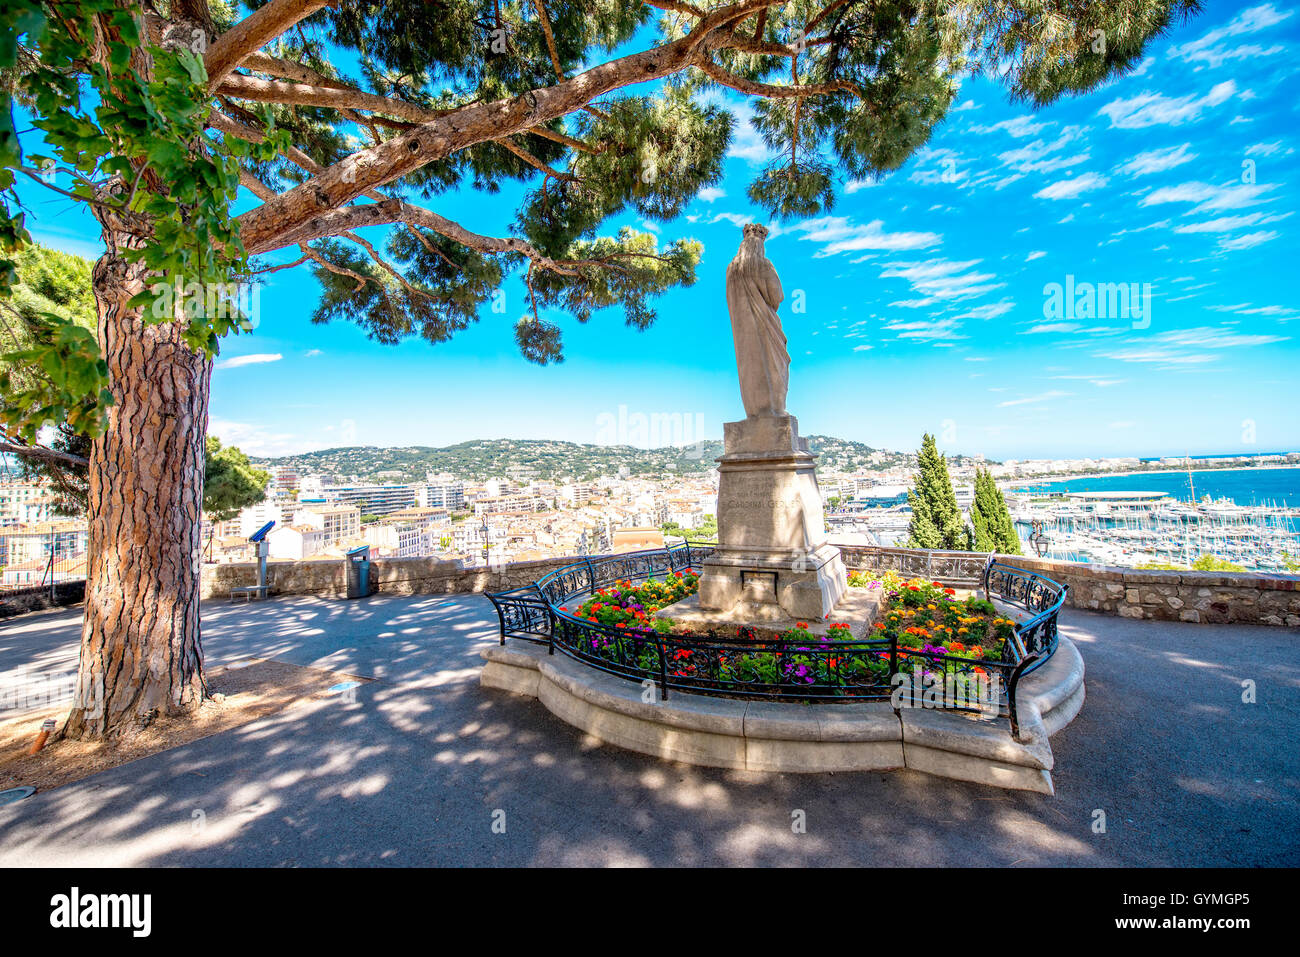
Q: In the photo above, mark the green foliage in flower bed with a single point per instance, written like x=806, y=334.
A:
x=929, y=617
x=935, y=633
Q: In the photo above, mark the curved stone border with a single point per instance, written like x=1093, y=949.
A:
x=791, y=737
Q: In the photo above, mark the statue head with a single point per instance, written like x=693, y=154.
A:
x=755, y=230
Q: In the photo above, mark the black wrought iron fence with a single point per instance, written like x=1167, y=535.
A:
x=806, y=669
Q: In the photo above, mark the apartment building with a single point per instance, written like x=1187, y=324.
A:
x=33, y=543
x=444, y=492
x=296, y=542
x=396, y=539
x=337, y=521
x=527, y=502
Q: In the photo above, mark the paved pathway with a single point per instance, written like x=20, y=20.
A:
x=412, y=772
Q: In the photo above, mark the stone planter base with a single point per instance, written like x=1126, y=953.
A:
x=791, y=737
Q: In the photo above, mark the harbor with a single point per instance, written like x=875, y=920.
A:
x=1135, y=526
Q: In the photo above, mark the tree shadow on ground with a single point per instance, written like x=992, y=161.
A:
x=421, y=764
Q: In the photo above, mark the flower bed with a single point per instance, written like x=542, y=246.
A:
x=927, y=617
x=627, y=606
x=933, y=632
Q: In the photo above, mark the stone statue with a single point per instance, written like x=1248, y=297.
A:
x=753, y=294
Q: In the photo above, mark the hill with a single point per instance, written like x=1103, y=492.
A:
x=549, y=460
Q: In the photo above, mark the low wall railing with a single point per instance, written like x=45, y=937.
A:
x=745, y=666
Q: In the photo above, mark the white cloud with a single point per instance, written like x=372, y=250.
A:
x=1226, y=224
x=1209, y=50
x=746, y=143
x=1097, y=380
x=1156, y=109
x=1247, y=241
x=989, y=310
x=1209, y=198
x=255, y=359
x=1165, y=356
x=840, y=234
x=1072, y=188
x=1207, y=337
x=926, y=331
x=741, y=220
x=1034, y=158
x=711, y=193
x=1269, y=149
x=1052, y=327
x=1041, y=397
x=853, y=185
x=1035, y=254
x=1249, y=309
x=941, y=279
x=934, y=166
x=1019, y=127
x=1185, y=347
x=312, y=353
x=1157, y=161
x=254, y=439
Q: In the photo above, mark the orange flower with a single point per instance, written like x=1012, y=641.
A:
x=801, y=624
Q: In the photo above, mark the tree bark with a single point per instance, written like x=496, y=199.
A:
x=141, y=655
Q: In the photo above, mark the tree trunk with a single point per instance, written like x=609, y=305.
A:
x=140, y=650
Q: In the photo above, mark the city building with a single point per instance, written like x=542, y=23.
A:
x=339, y=522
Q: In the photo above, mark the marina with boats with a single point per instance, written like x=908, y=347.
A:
x=1131, y=527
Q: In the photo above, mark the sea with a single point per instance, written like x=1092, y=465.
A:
x=1280, y=487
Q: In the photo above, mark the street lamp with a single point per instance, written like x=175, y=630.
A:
x=485, y=540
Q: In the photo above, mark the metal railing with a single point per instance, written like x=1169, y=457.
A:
x=748, y=666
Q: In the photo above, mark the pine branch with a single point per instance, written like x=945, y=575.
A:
x=254, y=32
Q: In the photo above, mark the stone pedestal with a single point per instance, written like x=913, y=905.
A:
x=773, y=561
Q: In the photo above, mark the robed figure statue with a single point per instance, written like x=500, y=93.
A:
x=753, y=294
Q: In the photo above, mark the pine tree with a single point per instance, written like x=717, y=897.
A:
x=342, y=121
x=936, y=520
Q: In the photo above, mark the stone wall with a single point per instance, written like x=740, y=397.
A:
x=393, y=576
x=18, y=601
x=1259, y=598
x=1248, y=598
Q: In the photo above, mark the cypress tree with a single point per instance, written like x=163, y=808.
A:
x=994, y=531
x=982, y=517
x=936, y=520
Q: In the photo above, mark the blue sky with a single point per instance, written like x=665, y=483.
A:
x=924, y=294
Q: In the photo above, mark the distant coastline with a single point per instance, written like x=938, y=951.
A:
x=1082, y=476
